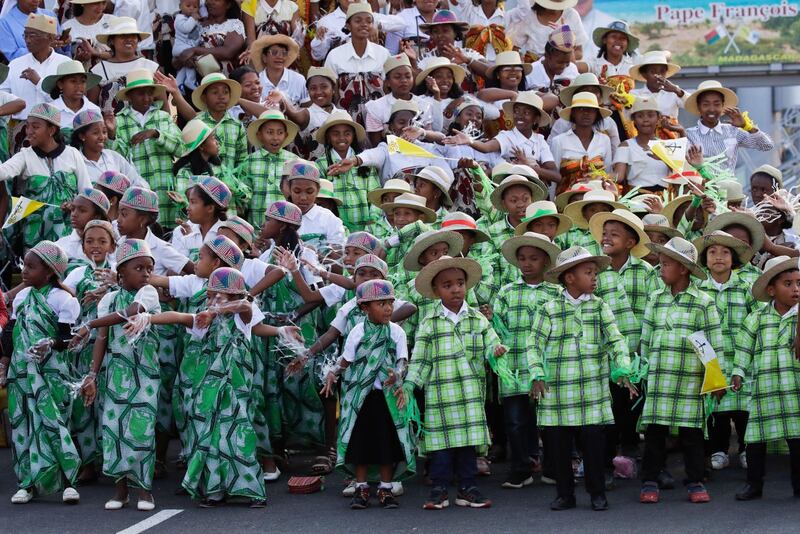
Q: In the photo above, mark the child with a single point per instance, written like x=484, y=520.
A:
x=439, y=85
x=149, y=137
x=262, y=169
x=434, y=184
x=674, y=312
x=410, y=218
x=765, y=359
x=113, y=185
x=587, y=83
x=467, y=228
x=450, y=349
x=575, y=329
x=200, y=156
x=504, y=80
x=67, y=87
x=9, y=105
x=320, y=229
x=655, y=70
x=215, y=95
x=370, y=433
x=321, y=86
x=617, y=46
x=530, y=28
x=383, y=227
x=272, y=55
x=658, y=231
x=542, y=217
x=89, y=205
x=428, y=247
x=554, y=69
x=89, y=137
x=745, y=228
x=45, y=458
x=208, y=201
x=710, y=102
x=242, y=234
x=580, y=212
x=722, y=255
x=187, y=35
x=515, y=307
x=764, y=182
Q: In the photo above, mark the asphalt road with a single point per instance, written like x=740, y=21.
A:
x=327, y=512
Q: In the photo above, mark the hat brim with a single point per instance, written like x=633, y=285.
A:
x=599, y=33
x=596, y=229
x=428, y=215
x=564, y=223
x=575, y=210
x=454, y=243
x=424, y=280
x=326, y=196
x=510, y=247
x=731, y=100
x=508, y=112
x=496, y=197
x=566, y=112
x=480, y=235
x=374, y=197
x=259, y=45
x=672, y=70
x=458, y=73
x=565, y=96
x=760, y=286
x=526, y=68
x=49, y=83
x=104, y=37
x=552, y=275
x=672, y=206
x=753, y=226
x=198, y=142
x=742, y=249
x=446, y=200
x=252, y=131
x=557, y=6
x=235, y=89
x=319, y=135
x=693, y=267
x=666, y=230
x=565, y=198
x=159, y=91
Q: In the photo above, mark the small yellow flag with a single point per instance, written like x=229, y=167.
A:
x=21, y=207
x=714, y=378
x=249, y=7
x=673, y=153
x=398, y=145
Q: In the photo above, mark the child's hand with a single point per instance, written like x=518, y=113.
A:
x=296, y=365
x=79, y=337
x=167, y=81
x=89, y=390
x=30, y=75
x=340, y=168
x=286, y=259
x=719, y=394
x=694, y=156
x=106, y=277
x=433, y=87
x=327, y=389
x=653, y=203
x=400, y=398
x=467, y=163
x=143, y=136
x=291, y=333
x=391, y=379
x=203, y=319
x=412, y=133
x=321, y=32
x=625, y=383
x=519, y=155
x=455, y=54
x=458, y=138
x=499, y=350
x=486, y=310
x=735, y=115
x=538, y=389
x=736, y=382
x=708, y=205
x=407, y=48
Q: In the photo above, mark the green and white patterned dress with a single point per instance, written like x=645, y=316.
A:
x=765, y=359
x=130, y=401
x=39, y=398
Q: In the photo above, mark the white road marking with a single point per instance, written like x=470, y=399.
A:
x=150, y=522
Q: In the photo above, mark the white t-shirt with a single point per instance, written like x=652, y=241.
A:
x=71, y=244
x=538, y=80
x=186, y=286
x=111, y=160
x=65, y=306
x=669, y=104
x=357, y=334
x=67, y=115
x=147, y=297
x=168, y=260
x=26, y=163
x=88, y=32
x=308, y=255
x=340, y=320
x=568, y=146
x=380, y=109
x=110, y=71
x=186, y=244
x=643, y=171
x=253, y=271
x=319, y=220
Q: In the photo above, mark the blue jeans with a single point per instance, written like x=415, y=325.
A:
x=522, y=432
x=459, y=461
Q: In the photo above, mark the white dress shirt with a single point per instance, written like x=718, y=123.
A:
x=21, y=88
x=380, y=109
x=26, y=163
x=67, y=115
x=292, y=84
x=535, y=146
x=727, y=139
x=335, y=22
x=187, y=244
x=455, y=317
x=538, y=80
x=668, y=103
x=319, y=220
x=344, y=60
x=111, y=160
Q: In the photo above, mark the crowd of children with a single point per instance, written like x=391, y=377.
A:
x=406, y=243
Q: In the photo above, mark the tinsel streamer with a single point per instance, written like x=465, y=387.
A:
x=500, y=368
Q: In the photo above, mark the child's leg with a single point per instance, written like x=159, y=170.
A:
x=387, y=474
x=441, y=467
x=466, y=467
x=560, y=449
x=593, y=439
x=719, y=432
x=655, y=452
x=361, y=473
x=740, y=423
x=794, y=456
x=329, y=406
x=693, y=456
x=756, y=458
x=516, y=413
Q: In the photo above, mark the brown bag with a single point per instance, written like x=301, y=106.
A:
x=305, y=485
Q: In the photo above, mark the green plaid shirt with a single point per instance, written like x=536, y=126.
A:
x=676, y=373
x=448, y=364
x=154, y=157
x=574, y=349
x=578, y=237
x=765, y=359
x=611, y=289
x=352, y=188
x=395, y=255
x=749, y=273
x=381, y=228
x=514, y=308
x=499, y=232
x=261, y=172
x=636, y=281
x=232, y=138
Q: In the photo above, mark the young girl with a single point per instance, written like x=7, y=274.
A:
x=89, y=136
x=130, y=401
x=320, y=228
x=373, y=363
x=208, y=201
x=113, y=185
x=588, y=83
x=45, y=458
x=67, y=87
x=504, y=80
x=617, y=48
x=214, y=97
x=321, y=87
x=90, y=204
x=50, y=171
x=247, y=78
x=439, y=86
x=89, y=20
x=745, y=228
x=242, y=234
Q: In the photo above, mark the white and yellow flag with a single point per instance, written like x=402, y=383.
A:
x=714, y=378
x=670, y=151
x=21, y=207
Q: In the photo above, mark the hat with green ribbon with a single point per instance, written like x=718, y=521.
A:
x=540, y=209
x=194, y=134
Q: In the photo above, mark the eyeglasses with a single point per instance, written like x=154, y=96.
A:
x=277, y=52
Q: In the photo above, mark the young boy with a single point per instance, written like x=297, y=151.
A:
x=516, y=303
x=215, y=95
x=467, y=228
x=384, y=226
x=658, y=231
x=451, y=346
x=580, y=211
x=428, y=246
x=542, y=217
x=410, y=218
x=765, y=358
x=579, y=340
x=655, y=70
x=746, y=228
x=150, y=139
x=765, y=181
x=674, y=312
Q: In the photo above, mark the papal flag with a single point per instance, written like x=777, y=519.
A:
x=398, y=145
x=249, y=7
x=714, y=378
x=21, y=207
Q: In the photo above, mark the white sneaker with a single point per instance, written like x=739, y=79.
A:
x=743, y=459
x=397, y=489
x=272, y=477
x=71, y=496
x=350, y=489
x=22, y=496
x=720, y=460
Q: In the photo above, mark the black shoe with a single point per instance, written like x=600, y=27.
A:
x=749, y=493
x=361, y=498
x=517, y=481
x=386, y=498
x=437, y=499
x=665, y=480
x=258, y=503
x=472, y=498
x=563, y=503
x=599, y=503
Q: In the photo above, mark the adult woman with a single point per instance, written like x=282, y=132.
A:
x=90, y=20
x=222, y=36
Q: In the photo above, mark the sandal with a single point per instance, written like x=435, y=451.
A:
x=160, y=470
x=323, y=465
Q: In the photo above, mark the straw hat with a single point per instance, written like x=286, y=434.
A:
x=656, y=222
x=394, y=185
x=769, y=170
x=615, y=26
x=583, y=100
x=425, y=240
x=194, y=134
x=587, y=79
x=683, y=252
x=505, y=169
x=570, y=258
x=718, y=237
x=749, y=222
x=357, y=7
x=510, y=58
x=339, y=116
x=540, y=209
x=138, y=78
x=271, y=115
x=373, y=290
x=435, y=63
x=326, y=191
x=627, y=218
x=734, y=192
x=558, y=5
x=325, y=72
x=263, y=43
x=424, y=280
x=729, y=97
x=529, y=98
x=638, y=203
x=529, y=239
x=210, y=79
x=122, y=26
x=68, y=68
x=414, y=202
x=773, y=267
x=393, y=62
x=510, y=181
x=583, y=187
x=672, y=206
x=404, y=105
x=443, y=17
x=643, y=103
x=439, y=178
x=458, y=221
x=575, y=210
x=41, y=22
x=656, y=57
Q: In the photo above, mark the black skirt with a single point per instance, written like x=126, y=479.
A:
x=374, y=438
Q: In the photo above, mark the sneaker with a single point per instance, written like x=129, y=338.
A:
x=743, y=459
x=272, y=476
x=577, y=467
x=350, y=489
x=698, y=493
x=472, y=498
x=720, y=460
x=70, y=496
x=649, y=493
x=517, y=481
x=386, y=498
x=22, y=496
x=397, y=489
x=360, y=499
x=437, y=499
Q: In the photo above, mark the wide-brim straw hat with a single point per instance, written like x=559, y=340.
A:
x=718, y=237
x=262, y=43
x=528, y=98
x=194, y=134
x=436, y=63
x=505, y=169
x=672, y=206
x=458, y=221
x=627, y=218
x=656, y=57
x=643, y=103
x=510, y=181
x=747, y=221
x=615, y=26
x=587, y=79
x=510, y=58
x=440, y=179
x=424, y=280
x=583, y=100
x=770, y=171
x=337, y=117
x=210, y=79
x=571, y=257
x=575, y=210
x=557, y=5
x=122, y=26
x=393, y=185
x=730, y=98
x=656, y=222
x=426, y=240
x=734, y=192
x=563, y=199
x=539, y=210
x=772, y=268
x=510, y=247
x=138, y=78
x=271, y=115
x=683, y=252
x=69, y=68
x=414, y=202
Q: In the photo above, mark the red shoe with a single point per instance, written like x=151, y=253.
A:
x=698, y=493
x=649, y=493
